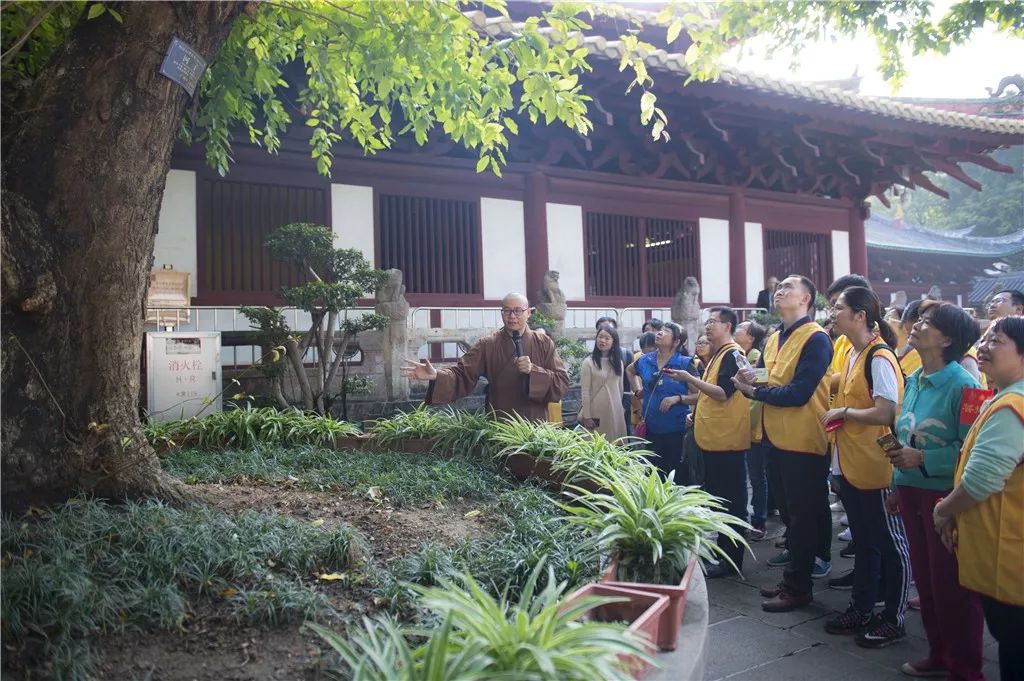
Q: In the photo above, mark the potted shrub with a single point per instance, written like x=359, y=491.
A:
x=483, y=637
x=655, y=531
x=468, y=433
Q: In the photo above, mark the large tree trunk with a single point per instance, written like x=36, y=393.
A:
x=83, y=178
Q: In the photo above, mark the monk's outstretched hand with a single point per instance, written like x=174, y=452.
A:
x=421, y=371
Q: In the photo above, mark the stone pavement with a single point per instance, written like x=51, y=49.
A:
x=747, y=644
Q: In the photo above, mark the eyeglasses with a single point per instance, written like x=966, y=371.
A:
x=514, y=311
x=712, y=320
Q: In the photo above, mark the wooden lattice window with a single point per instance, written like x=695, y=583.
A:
x=803, y=253
x=435, y=242
x=238, y=216
x=630, y=256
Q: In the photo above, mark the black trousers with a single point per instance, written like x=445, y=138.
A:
x=777, y=488
x=725, y=476
x=1006, y=622
x=669, y=448
x=882, y=552
x=803, y=497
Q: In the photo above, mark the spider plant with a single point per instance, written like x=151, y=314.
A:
x=382, y=652
x=653, y=524
x=538, y=637
x=467, y=432
x=542, y=440
x=593, y=456
x=420, y=423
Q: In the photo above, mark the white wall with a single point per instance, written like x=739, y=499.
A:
x=714, y=260
x=841, y=254
x=352, y=218
x=176, y=238
x=755, y=260
x=565, y=248
x=504, y=247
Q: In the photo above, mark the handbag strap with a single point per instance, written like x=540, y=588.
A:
x=650, y=391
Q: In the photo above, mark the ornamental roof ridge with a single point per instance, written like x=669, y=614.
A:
x=675, y=62
x=884, y=232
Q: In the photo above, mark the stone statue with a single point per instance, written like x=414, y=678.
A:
x=1015, y=80
x=551, y=303
x=686, y=310
x=392, y=304
x=934, y=293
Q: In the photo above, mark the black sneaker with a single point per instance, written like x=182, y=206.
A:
x=848, y=551
x=879, y=634
x=842, y=583
x=850, y=622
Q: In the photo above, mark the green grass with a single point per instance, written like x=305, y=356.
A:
x=403, y=478
x=528, y=529
x=95, y=568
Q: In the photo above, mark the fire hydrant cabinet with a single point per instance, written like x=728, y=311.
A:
x=183, y=374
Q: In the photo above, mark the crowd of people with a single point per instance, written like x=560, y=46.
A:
x=887, y=408
x=913, y=417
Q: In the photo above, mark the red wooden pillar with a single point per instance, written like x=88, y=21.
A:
x=858, y=240
x=737, y=249
x=535, y=214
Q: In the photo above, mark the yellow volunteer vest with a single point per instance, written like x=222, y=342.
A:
x=794, y=429
x=990, y=536
x=841, y=349
x=722, y=426
x=910, y=362
x=864, y=464
x=972, y=352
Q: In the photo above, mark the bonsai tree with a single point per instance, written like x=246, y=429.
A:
x=338, y=278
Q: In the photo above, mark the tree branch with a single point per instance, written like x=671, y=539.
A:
x=7, y=56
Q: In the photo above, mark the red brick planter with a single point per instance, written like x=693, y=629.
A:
x=524, y=467
x=356, y=442
x=643, y=610
x=673, y=615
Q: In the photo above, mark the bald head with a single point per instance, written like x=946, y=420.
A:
x=515, y=311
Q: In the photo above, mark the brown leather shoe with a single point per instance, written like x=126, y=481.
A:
x=772, y=591
x=786, y=601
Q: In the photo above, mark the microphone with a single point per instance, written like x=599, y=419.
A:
x=517, y=341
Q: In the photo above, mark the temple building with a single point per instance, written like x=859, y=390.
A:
x=758, y=177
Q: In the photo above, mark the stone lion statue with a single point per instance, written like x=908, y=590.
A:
x=934, y=293
x=686, y=309
x=393, y=289
x=551, y=303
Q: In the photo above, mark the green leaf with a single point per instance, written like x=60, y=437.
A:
x=674, y=29
x=117, y=15
x=481, y=164
x=96, y=10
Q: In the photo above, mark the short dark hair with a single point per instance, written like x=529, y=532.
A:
x=654, y=323
x=912, y=312
x=952, y=322
x=605, y=320
x=646, y=339
x=1016, y=297
x=846, y=281
x=809, y=285
x=727, y=315
x=1013, y=327
x=679, y=334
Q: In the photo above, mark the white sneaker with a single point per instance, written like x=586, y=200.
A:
x=843, y=520
x=836, y=507
x=846, y=535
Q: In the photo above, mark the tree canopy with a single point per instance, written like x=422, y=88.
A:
x=366, y=71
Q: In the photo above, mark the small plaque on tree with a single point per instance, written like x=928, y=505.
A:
x=183, y=65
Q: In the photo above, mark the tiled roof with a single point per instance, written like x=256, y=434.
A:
x=676, y=63
x=881, y=232
x=984, y=287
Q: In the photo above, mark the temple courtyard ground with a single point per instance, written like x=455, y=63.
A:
x=747, y=644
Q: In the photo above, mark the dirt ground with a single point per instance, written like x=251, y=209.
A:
x=212, y=647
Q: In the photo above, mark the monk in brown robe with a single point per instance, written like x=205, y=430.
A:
x=522, y=382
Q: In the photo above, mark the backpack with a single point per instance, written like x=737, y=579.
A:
x=867, y=364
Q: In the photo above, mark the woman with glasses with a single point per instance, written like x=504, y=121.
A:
x=983, y=518
x=931, y=430
x=664, y=411
x=601, y=386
